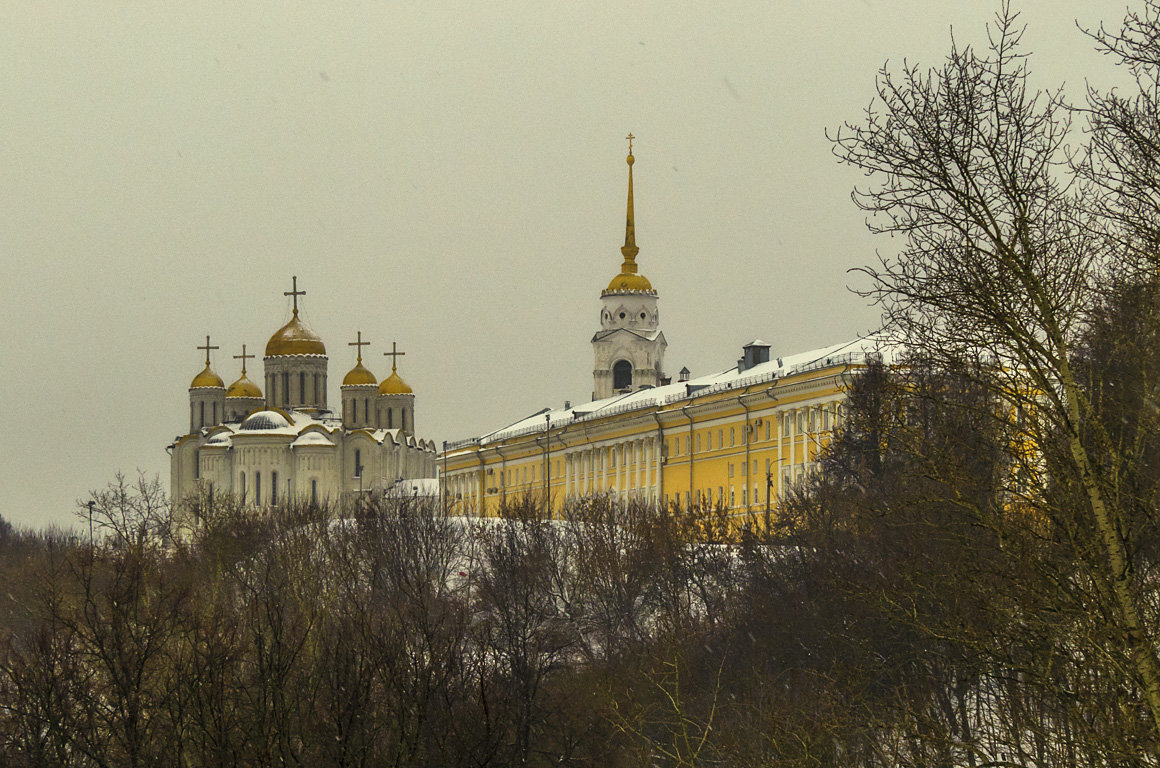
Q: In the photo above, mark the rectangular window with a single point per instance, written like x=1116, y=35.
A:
x=314, y=492
x=767, y=424
x=801, y=421
x=285, y=389
x=732, y=436
x=258, y=488
x=698, y=442
x=720, y=438
x=730, y=470
x=744, y=497
x=274, y=488
x=784, y=425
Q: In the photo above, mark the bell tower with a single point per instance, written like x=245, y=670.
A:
x=629, y=348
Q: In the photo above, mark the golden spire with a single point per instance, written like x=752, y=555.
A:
x=629, y=250
x=629, y=280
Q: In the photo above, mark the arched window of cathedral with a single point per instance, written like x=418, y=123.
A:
x=357, y=463
x=285, y=388
x=191, y=421
x=215, y=418
x=258, y=489
x=403, y=414
x=302, y=387
x=621, y=374
x=242, y=484
x=314, y=492
x=202, y=423
x=354, y=410
x=273, y=488
x=317, y=399
x=390, y=418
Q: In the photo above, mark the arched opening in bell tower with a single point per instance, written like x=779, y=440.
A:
x=621, y=375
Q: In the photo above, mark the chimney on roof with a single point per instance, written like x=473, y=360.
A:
x=752, y=354
x=683, y=375
x=567, y=404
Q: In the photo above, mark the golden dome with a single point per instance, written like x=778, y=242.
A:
x=627, y=281
x=207, y=378
x=243, y=387
x=394, y=385
x=359, y=376
x=294, y=338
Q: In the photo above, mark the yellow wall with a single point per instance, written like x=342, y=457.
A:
x=735, y=436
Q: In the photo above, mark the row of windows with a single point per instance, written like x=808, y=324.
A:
x=282, y=395
x=255, y=494
x=806, y=420
x=706, y=496
x=366, y=412
x=200, y=421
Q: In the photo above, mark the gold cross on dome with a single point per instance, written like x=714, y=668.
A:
x=243, y=357
x=295, y=293
x=360, y=344
x=394, y=354
x=207, y=348
x=630, y=137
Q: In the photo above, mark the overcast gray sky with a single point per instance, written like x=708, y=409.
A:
x=446, y=175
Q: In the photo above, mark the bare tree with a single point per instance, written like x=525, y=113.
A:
x=996, y=280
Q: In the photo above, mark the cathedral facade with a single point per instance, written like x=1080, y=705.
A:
x=288, y=443
x=737, y=438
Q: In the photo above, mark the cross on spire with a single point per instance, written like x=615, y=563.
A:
x=207, y=348
x=394, y=354
x=359, y=344
x=630, y=137
x=243, y=357
x=295, y=293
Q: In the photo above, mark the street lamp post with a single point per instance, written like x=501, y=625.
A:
x=548, y=463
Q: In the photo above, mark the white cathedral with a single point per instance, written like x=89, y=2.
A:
x=288, y=444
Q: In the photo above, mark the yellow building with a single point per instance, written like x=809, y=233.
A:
x=737, y=438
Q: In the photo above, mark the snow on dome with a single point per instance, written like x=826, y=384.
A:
x=219, y=438
x=311, y=438
x=264, y=420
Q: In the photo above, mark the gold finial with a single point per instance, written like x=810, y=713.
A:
x=295, y=293
x=394, y=354
x=359, y=344
x=207, y=348
x=629, y=250
x=241, y=357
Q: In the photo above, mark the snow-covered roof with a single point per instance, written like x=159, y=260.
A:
x=855, y=351
x=264, y=421
x=313, y=437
